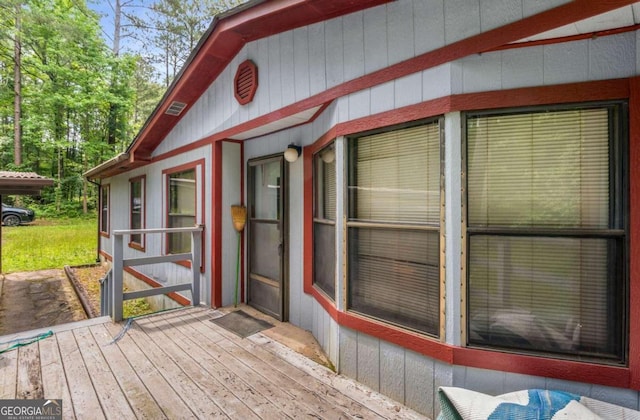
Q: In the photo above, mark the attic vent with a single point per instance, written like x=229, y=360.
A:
x=175, y=108
x=245, y=83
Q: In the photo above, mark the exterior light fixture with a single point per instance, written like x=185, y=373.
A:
x=292, y=153
x=328, y=155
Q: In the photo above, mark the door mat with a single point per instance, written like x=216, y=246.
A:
x=241, y=323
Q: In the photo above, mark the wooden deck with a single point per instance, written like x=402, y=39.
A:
x=178, y=364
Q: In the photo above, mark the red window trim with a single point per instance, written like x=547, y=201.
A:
x=165, y=173
x=143, y=179
x=106, y=234
x=625, y=377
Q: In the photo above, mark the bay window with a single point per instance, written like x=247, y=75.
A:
x=324, y=221
x=547, y=231
x=394, y=215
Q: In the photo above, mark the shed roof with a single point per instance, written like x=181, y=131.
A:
x=22, y=183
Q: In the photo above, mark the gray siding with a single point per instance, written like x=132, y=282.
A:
x=297, y=64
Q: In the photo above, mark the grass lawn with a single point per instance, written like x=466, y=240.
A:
x=49, y=244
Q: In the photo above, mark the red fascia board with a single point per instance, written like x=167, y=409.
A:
x=541, y=366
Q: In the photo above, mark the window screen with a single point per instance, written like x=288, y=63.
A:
x=136, y=191
x=394, y=226
x=182, y=209
x=546, y=236
x=324, y=222
x=104, y=209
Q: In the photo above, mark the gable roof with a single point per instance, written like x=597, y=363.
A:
x=257, y=19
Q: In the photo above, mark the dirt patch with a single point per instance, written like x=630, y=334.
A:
x=86, y=280
x=37, y=299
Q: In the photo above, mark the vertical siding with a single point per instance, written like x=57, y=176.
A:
x=452, y=228
x=496, y=13
x=297, y=64
x=231, y=188
x=601, y=58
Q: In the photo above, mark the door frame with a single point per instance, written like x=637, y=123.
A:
x=284, y=222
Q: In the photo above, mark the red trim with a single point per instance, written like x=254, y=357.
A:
x=570, y=38
x=143, y=191
x=216, y=226
x=245, y=82
x=634, y=229
x=539, y=366
x=516, y=363
x=242, y=236
x=151, y=282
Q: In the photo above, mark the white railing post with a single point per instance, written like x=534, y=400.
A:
x=196, y=253
x=118, y=268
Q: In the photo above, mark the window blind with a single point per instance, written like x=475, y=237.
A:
x=397, y=176
x=560, y=291
x=548, y=169
x=324, y=229
x=394, y=271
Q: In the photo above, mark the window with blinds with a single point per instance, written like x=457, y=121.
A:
x=324, y=221
x=546, y=231
x=394, y=226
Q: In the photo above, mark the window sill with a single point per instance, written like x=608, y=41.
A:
x=608, y=375
x=137, y=246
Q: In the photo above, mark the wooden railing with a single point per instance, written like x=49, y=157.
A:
x=111, y=287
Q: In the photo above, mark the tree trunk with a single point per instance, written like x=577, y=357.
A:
x=17, y=88
x=116, y=28
x=85, y=209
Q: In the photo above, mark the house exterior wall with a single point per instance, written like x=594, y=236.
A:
x=155, y=213
x=298, y=64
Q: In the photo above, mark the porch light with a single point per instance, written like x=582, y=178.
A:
x=292, y=153
x=328, y=156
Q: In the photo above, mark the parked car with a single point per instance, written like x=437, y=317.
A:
x=14, y=216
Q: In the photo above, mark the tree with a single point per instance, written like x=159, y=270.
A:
x=171, y=30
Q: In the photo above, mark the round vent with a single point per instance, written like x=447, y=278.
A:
x=245, y=83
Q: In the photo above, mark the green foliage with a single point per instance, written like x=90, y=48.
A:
x=45, y=244
x=136, y=307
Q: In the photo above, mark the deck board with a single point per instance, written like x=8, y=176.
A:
x=53, y=376
x=83, y=395
x=141, y=400
x=112, y=400
x=234, y=382
x=170, y=403
x=8, y=375
x=179, y=365
x=277, y=374
x=29, y=383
